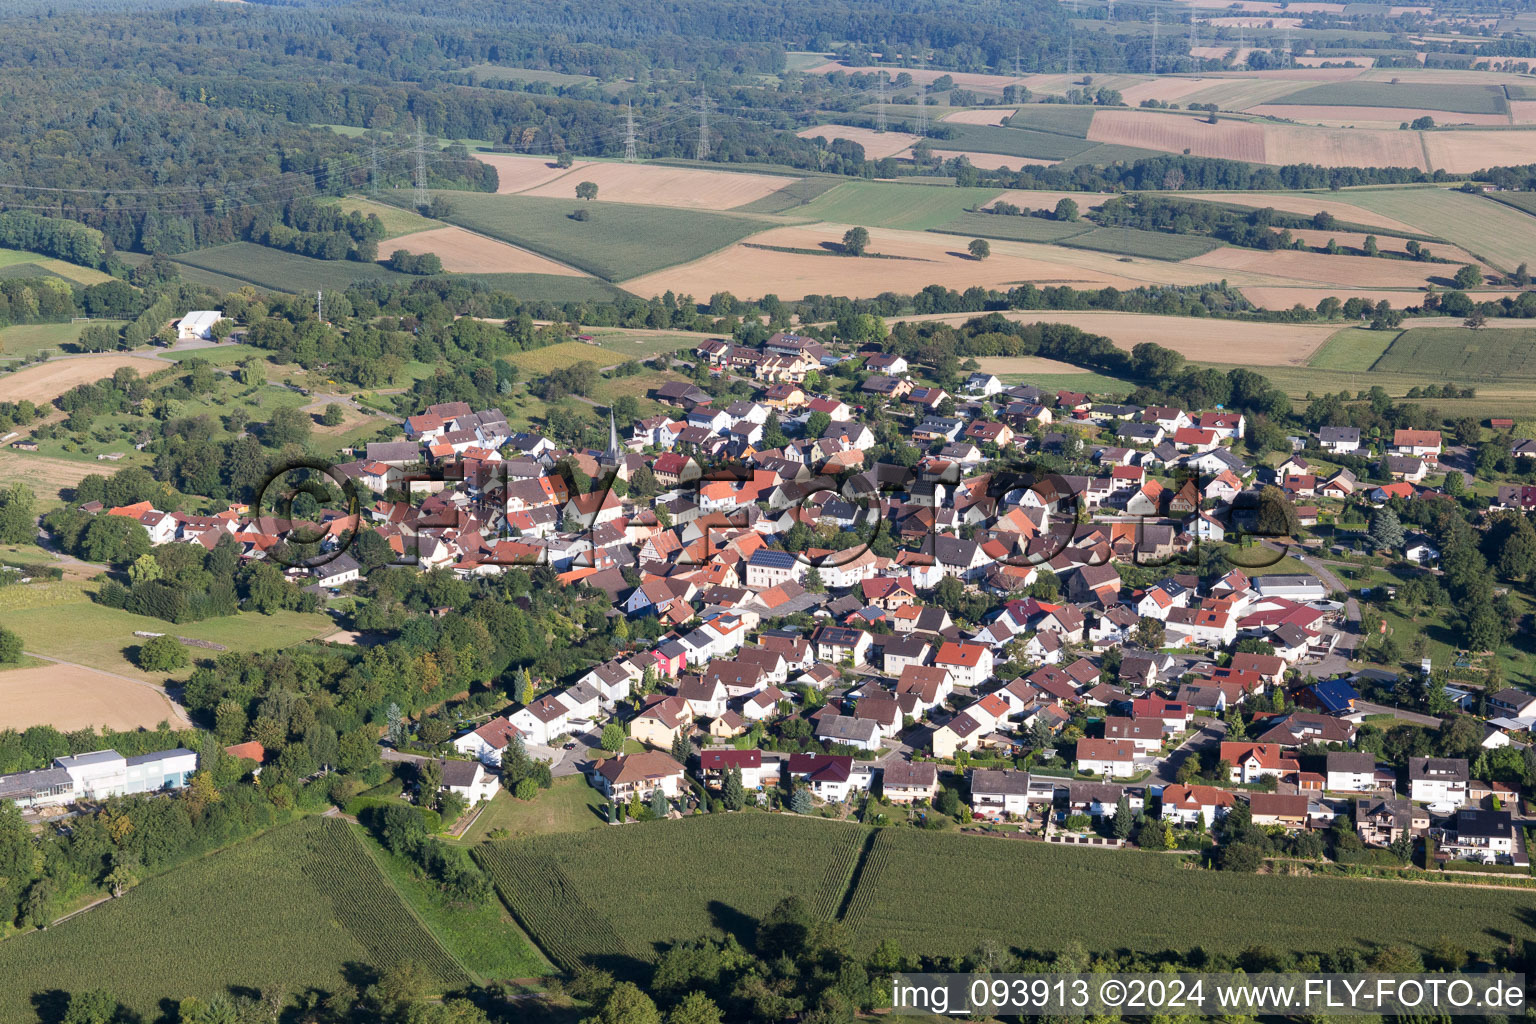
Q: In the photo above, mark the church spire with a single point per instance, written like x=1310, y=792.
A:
x=614, y=452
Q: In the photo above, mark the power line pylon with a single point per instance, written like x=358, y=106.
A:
x=421, y=169
x=701, y=151
x=630, y=156
x=879, y=101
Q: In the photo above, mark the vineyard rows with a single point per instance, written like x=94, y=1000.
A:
x=369, y=907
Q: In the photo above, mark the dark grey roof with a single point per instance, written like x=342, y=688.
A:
x=772, y=559
x=161, y=755
x=999, y=782
x=26, y=784
x=1483, y=824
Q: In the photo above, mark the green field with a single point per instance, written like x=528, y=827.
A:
x=1523, y=201
x=570, y=805
x=1054, y=117
x=1104, y=153
x=1157, y=245
x=620, y=241
x=1352, y=349
x=21, y=263
x=1462, y=99
x=1014, y=229
x=25, y=339
x=790, y=198
x=59, y=620
x=1463, y=353
x=280, y=913
x=987, y=138
x=881, y=204
x=945, y=893
x=285, y=271
x=396, y=220
x=615, y=894
x=1491, y=231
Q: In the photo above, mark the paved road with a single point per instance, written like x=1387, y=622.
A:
x=1209, y=734
x=177, y=711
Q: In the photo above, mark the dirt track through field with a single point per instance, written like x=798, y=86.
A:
x=464, y=252
x=44, y=382
x=71, y=697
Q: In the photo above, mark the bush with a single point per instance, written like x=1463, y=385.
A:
x=526, y=789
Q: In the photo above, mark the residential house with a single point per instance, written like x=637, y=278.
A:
x=629, y=775
x=905, y=782
x=968, y=664
x=1479, y=835
x=661, y=721
x=1004, y=793
x=1109, y=758
x=1196, y=805
x=1350, y=772
x=1382, y=821
x=1286, y=810
x=1438, y=780
x=470, y=780
x=1253, y=761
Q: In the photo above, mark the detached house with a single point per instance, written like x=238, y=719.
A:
x=968, y=664
x=630, y=775
x=1108, y=758
x=1253, y=761
x=1438, y=780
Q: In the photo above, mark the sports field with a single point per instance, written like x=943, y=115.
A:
x=279, y=914
x=619, y=241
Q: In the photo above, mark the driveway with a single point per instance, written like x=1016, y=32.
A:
x=1210, y=733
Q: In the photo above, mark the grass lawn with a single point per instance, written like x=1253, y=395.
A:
x=570, y=805
x=59, y=620
x=642, y=345
x=226, y=354
x=25, y=339
x=1095, y=383
x=886, y=205
x=539, y=361
x=1353, y=349
x=618, y=242
x=483, y=937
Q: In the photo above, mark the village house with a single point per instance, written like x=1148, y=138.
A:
x=1109, y=758
x=630, y=775
x=905, y=782
x=1438, y=780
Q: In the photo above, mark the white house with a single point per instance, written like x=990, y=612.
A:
x=1109, y=758
x=1196, y=805
x=470, y=780
x=198, y=325
x=967, y=664
x=487, y=741
x=1438, y=780
x=996, y=793
x=629, y=775
x=542, y=720
x=1351, y=772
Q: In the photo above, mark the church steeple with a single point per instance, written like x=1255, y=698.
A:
x=614, y=452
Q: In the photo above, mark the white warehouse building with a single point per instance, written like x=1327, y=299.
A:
x=99, y=775
x=198, y=324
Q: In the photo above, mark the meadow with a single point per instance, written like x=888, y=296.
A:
x=290, y=910
x=1498, y=234
x=26, y=339
x=1020, y=142
x=1352, y=349
x=887, y=205
x=21, y=263
x=945, y=893
x=620, y=240
x=1053, y=117
x=1463, y=353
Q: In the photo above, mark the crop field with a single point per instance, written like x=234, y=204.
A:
x=1045, y=199
x=713, y=875
x=48, y=478
x=1167, y=89
x=26, y=263
x=70, y=697
x=689, y=188
x=1494, y=232
x=1462, y=99
x=1053, y=117
x=1369, y=117
x=464, y=252
x=990, y=161
x=284, y=271
x=1018, y=229
x=1021, y=142
x=516, y=172
x=1463, y=353
x=1352, y=349
x=1257, y=143
x=1468, y=151
x=619, y=241
x=1309, y=203
x=501, y=73
x=981, y=115
x=877, y=145
x=889, y=205
x=797, y=193
x=1157, y=245
x=912, y=898
x=804, y=261
x=1523, y=201
x=270, y=914
x=1326, y=270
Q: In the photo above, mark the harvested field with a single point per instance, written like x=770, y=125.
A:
x=48, y=477
x=464, y=252
x=1308, y=203
x=1255, y=20
x=1241, y=93
x=516, y=173
x=1340, y=271
x=989, y=161
x=991, y=115
x=877, y=145
x=1203, y=340
x=692, y=188
x=1257, y=143
x=1464, y=152
x=1369, y=117
x=1317, y=62
x=928, y=258
x=44, y=382
x=70, y=697
x=1001, y=365
x=1282, y=297
x=1386, y=243
x=1522, y=111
